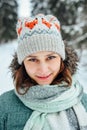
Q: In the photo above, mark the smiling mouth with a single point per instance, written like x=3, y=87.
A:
x=44, y=77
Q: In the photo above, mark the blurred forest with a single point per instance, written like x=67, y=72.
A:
x=8, y=19
x=72, y=15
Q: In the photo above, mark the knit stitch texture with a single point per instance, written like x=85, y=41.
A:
x=39, y=33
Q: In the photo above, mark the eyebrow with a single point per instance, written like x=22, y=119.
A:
x=45, y=55
x=51, y=54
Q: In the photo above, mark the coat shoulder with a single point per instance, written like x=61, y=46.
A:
x=9, y=102
x=13, y=113
x=8, y=99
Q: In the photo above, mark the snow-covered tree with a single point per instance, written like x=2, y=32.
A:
x=8, y=19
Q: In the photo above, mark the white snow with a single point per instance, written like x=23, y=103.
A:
x=6, y=53
x=24, y=8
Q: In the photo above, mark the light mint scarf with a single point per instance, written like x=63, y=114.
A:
x=50, y=103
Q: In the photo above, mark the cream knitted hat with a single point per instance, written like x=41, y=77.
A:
x=39, y=33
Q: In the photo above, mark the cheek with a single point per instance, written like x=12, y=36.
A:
x=30, y=69
x=56, y=66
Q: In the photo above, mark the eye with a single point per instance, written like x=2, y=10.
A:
x=51, y=57
x=33, y=60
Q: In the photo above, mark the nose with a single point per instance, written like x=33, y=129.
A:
x=43, y=68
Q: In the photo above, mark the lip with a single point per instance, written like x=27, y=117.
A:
x=44, y=77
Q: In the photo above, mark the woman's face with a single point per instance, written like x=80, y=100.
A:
x=43, y=66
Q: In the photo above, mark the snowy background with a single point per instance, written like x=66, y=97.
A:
x=7, y=51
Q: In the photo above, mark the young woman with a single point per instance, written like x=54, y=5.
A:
x=47, y=95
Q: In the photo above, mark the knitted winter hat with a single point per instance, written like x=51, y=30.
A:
x=39, y=33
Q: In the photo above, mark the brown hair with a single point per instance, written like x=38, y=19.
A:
x=22, y=80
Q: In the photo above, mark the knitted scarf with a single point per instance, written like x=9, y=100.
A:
x=50, y=103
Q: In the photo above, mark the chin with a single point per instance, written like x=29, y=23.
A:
x=47, y=83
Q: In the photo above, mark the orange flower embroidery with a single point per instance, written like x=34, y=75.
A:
x=19, y=30
x=48, y=24
x=31, y=24
x=58, y=26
